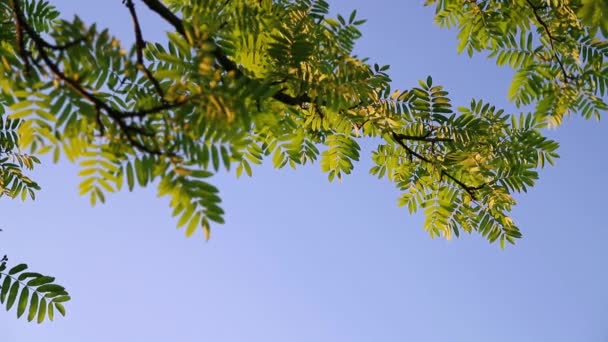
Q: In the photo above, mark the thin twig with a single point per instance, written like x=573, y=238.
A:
x=63, y=46
x=114, y=114
x=21, y=41
x=425, y=138
x=226, y=63
x=552, y=38
x=160, y=9
x=139, y=47
x=468, y=188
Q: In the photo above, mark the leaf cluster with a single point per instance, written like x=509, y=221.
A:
x=554, y=46
x=241, y=81
x=31, y=293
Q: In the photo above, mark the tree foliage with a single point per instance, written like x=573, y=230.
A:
x=554, y=46
x=238, y=82
x=30, y=293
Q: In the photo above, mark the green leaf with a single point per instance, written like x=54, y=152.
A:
x=40, y=281
x=23, y=299
x=17, y=269
x=186, y=215
x=201, y=174
x=61, y=299
x=141, y=173
x=215, y=158
x=50, y=288
x=50, y=311
x=26, y=275
x=41, y=310
x=247, y=168
x=194, y=223
x=6, y=284
x=12, y=295
x=225, y=157
x=60, y=308
x=130, y=177
x=34, y=301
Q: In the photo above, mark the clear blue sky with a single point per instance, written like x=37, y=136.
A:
x=301, y=259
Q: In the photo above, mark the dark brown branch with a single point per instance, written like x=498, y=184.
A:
x=160, y=9
x=21, y=41
x=63, y=46
x=139, y=47
x=114, y=114
x=226, y=63
x=424, y=138
x=102, y=127
x=537, y=7
x=552, y=39
x=409, y=150
x=170, y=17
x=468, y=188
x=143, y=112
x=298, y=101
x=287, y=99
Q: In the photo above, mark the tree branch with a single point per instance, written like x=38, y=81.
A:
x=63, y=46
x=552, y=38
x=116, y=115
x=139, y=47
x=468, y=188
x=424, y=138
x=160, y=9
x=226, y=63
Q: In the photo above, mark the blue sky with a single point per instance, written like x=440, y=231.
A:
x=301, y=259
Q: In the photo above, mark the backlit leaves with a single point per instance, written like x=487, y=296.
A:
x=13, y=182
x=242, y=82
x=339, y=156
x=553, y=46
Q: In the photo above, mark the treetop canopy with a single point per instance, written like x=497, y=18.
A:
x=241, y=81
